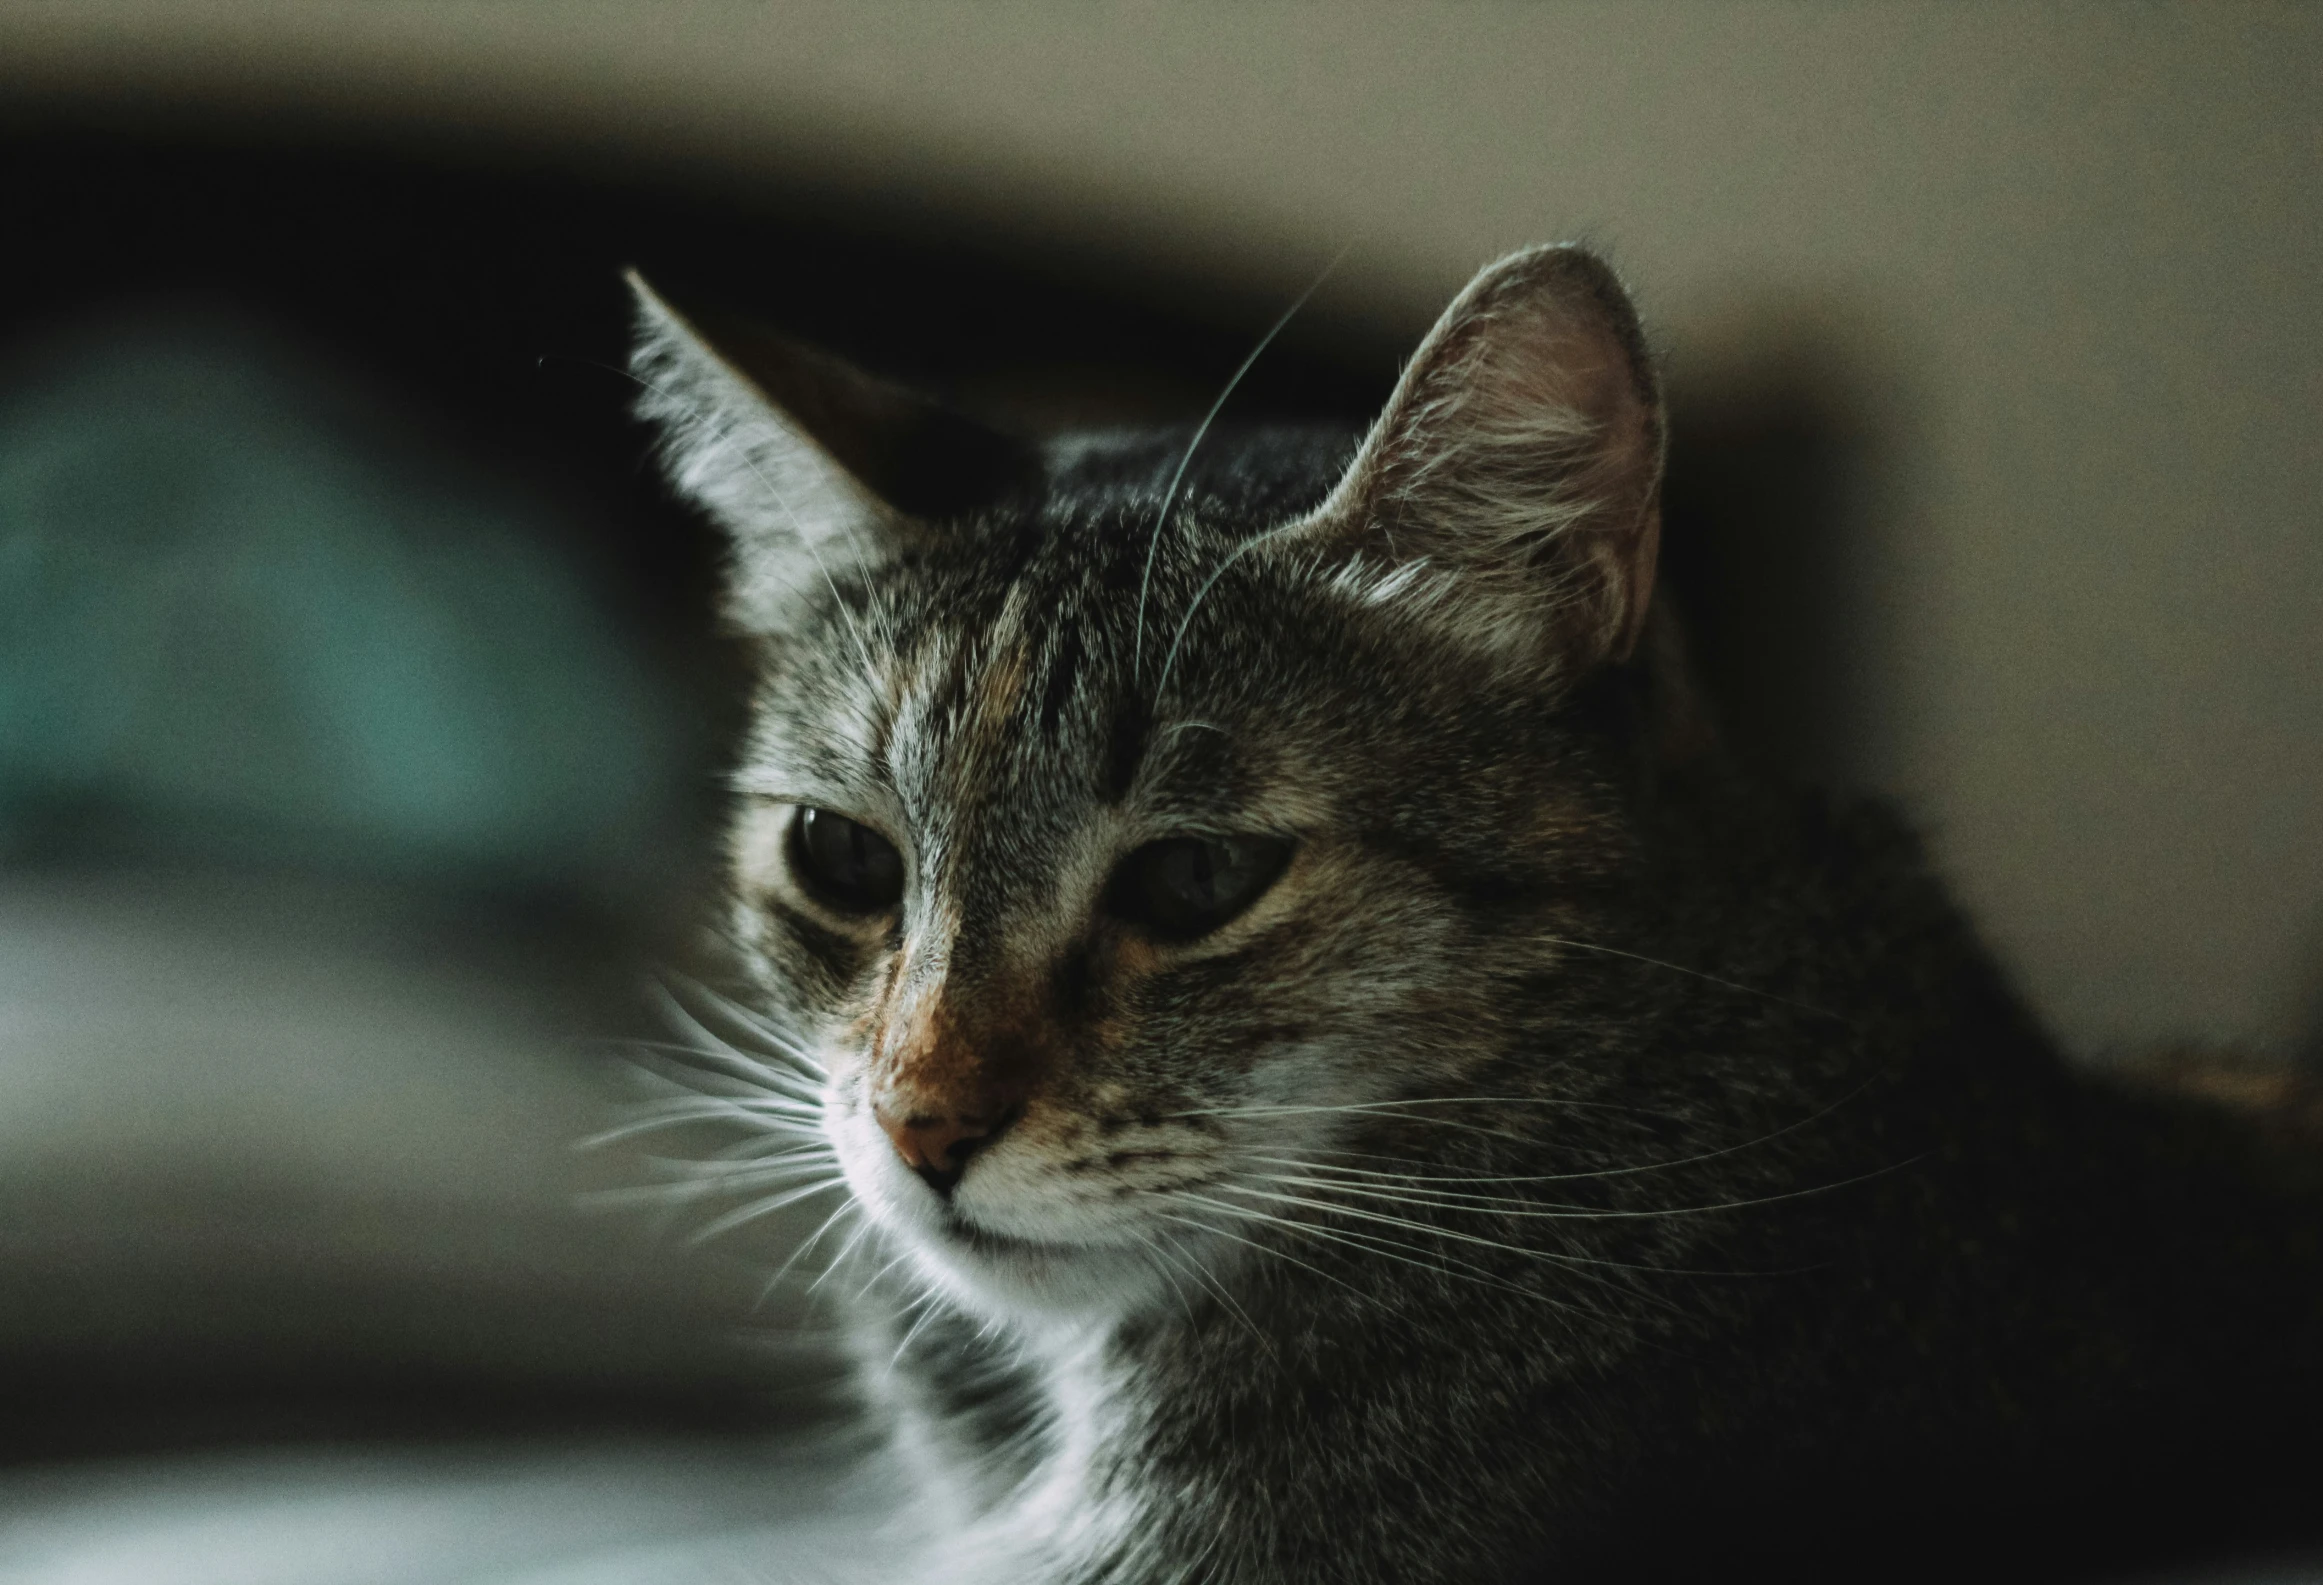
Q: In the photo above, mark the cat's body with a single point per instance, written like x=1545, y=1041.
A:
x=1347, y=1080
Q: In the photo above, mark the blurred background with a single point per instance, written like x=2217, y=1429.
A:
x=361, y=718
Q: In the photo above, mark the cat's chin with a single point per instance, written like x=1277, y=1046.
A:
x=1008, y=1278
x=1009, y=1275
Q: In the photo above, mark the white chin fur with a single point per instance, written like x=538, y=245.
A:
x=995, y=1275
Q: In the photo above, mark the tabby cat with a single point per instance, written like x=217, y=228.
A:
x=1337, y=1074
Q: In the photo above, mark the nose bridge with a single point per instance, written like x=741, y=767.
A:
x=958, y=1051
x=962, y=948
x=967, y=1034
x=958, y=1007
x=997, y=887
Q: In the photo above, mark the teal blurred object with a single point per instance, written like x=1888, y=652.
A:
x=244, y=618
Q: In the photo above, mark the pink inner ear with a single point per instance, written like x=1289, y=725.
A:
x=1522, y=453
x=1550, y=361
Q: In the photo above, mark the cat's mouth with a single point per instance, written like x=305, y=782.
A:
x=999, y=1246
x=1013, y=1277
x=961, y=1228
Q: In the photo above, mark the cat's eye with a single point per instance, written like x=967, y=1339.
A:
x=844, y=864
x=1186, y=887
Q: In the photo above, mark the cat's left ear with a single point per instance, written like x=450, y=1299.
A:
x=1512, y=487
x=813, y=468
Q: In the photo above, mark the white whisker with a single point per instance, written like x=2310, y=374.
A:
x=763, y=1208
x=1378, y=1245
x=715, y=1043
x=929, y=1309
x=1218, y=1289
x=1201, y=430
x=1170, y=661
x=1264, y=1249
x=694, y=1059
x=753, y=1020
x=805, y=1245
x=1680, y=968
x=840, y=1259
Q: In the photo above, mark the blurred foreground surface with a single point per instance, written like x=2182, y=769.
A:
x=304, y=1280
x=337, y=826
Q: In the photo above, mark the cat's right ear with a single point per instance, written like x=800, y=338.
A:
x=813, y=468
x=1512, y=488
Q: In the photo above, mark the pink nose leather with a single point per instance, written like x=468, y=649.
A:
x=936, y=1146
x=944, y=1086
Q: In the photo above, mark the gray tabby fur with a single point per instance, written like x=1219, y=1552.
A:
x=1577, y=1137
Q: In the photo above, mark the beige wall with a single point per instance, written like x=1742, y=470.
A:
x=2070, y=257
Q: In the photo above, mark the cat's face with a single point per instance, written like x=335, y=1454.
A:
x=1117, y=842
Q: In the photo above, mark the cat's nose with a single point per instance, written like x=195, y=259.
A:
x=937, y=1145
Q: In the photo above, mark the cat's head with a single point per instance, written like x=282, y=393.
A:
x=1120, y=831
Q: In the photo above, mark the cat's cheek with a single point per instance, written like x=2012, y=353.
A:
x=756, y=848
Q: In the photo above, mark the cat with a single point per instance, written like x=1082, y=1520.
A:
x=1338, y=1074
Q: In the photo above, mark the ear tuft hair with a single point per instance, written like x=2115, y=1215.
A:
x=811, y=466
x=1520, y=460
x=793, y=514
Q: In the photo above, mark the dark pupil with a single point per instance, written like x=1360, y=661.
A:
x=1189, y=886
x=847, y=864
x=1196, y=874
